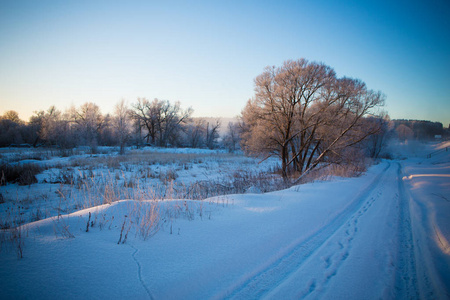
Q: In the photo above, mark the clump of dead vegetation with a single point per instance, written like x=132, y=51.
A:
x=23, y=174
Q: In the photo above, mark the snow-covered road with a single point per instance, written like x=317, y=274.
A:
x=382, y=235
x=365, y=252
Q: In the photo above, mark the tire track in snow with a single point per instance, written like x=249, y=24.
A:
x=261, y=281
x=412, y=278
x=140, y=272
x=406, y=275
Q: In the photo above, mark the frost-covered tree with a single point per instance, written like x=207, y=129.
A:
x=56, y=128
x=122, y=124
x=161, y=119
x=10, y=129
x=201, y=133
x=421, y=129
x=212, y=133
x=232, y=137
x=12, y=116
x=404, y=132
x=36, y=123
x=305, y=115
x=376, y=143
x=195, y=133
x=88, y=121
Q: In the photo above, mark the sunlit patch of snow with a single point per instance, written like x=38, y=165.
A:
x=425, y=175
x=261, y=209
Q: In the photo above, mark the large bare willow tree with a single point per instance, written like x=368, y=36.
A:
x=305, y=115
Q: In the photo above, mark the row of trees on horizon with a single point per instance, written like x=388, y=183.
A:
x=301, y=113
x=157, y=123
x=202, y=132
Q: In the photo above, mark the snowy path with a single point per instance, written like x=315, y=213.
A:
x=341, y=252
x=406, y=277
x=289, y=266
x=383, y=235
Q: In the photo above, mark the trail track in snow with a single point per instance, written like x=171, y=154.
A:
x=150, y=296
x=340, y=231
x=406, y=277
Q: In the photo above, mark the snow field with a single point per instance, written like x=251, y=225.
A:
x=81, y=181
x=382, y=235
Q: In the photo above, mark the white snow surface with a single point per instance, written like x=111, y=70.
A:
x=382, y=235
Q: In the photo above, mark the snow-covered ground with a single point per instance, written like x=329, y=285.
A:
x=382, y=235
x=68, y=184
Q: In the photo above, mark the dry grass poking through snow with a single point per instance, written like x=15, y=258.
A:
x=58, y=186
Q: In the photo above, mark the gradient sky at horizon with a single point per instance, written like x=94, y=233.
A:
x=206, y=54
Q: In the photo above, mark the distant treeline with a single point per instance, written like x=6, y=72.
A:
x=157, y=123
x=419, y=129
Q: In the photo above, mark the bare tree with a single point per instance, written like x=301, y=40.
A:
x=36, y=123
x=377, y=142
x=144, y=113
x=121, y=121
x=10, y=129
x=161, y=119
x=305, y=115
x=169, y=120
x=195, y=132
x=56, y=129
x=12, y=116
x=89, y=121
x=212, y=133
x=232, y=136
x=14, y=131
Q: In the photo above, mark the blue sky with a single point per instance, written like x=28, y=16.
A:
x=206, y=54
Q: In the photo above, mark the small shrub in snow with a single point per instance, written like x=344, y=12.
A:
x=17, y=235
x=12, y=232
x=168, y=176
x=325, y=172
x=37, y=215
x=105, y=222
x=121, y=231
x=148, y=173
x=60, y=228
x=23, y=174
x=149, y=222
x=143, y=218
x=66, y=176
x=16, y=238
x=87, y=226
x=113, y=163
